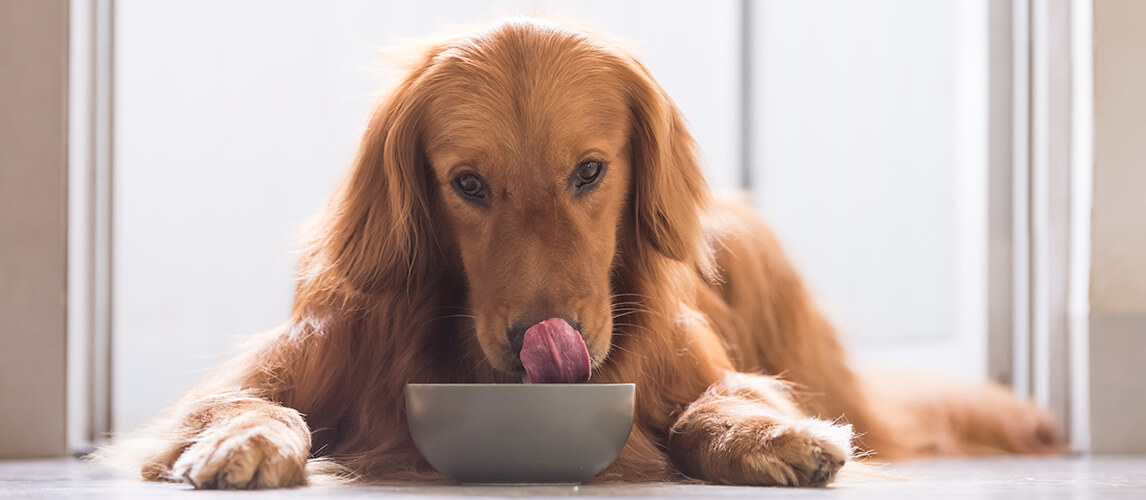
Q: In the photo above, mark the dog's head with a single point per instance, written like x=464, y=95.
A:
x=527, y=156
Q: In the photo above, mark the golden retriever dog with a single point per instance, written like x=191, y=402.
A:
x=531, y=187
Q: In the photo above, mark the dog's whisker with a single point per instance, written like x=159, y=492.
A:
x=629, y=309
x=644, y=329
x=628, y=294
x=455, y=316
x=632, y=309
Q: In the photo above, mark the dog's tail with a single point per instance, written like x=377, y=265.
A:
x=930, y=415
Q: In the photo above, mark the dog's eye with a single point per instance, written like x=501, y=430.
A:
x=588, y=172
x=470, y=185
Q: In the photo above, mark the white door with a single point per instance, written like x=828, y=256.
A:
x=869, y=154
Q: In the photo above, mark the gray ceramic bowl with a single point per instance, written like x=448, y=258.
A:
x=520, y=433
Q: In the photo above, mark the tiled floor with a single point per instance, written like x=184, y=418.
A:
x=1003, y=478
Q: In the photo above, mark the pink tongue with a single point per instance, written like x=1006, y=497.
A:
x=553, y=353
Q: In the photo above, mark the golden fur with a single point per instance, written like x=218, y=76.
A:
x=407, y=280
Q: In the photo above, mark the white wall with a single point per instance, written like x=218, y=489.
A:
x=1117, y=344
x=234, y=119
x=33, y=227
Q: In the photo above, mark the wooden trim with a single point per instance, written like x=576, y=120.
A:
x=1000, y=192
x=89, y=247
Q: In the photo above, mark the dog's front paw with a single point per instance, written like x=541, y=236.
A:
x=763, y=451
x=802, y=453
x=249, y=451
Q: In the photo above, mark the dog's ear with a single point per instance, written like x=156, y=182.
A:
x=377, y=231
x=669, y=193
